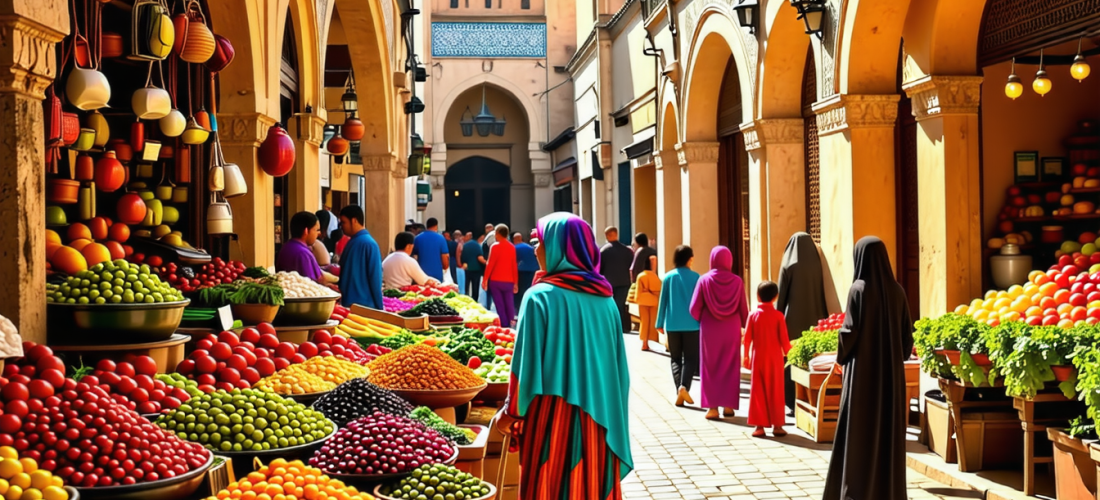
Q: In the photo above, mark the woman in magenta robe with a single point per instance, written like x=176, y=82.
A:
x=720, y=306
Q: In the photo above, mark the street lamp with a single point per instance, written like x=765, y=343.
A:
x=484, y=121
x=350, y=100
x=811, y=12
x=747, y=11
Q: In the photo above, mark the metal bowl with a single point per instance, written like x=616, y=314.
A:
x=367, y=480
x=175, y=488
x=306, y=311
x=100, y=324
x=243, y=460
x=439, y=399
x=491, y=496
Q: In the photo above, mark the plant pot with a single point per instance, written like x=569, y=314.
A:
x=981, y=359
x=952, y=355
x=62, y=191
x=1074, y=470
x=254, y=314
x=1063, y=373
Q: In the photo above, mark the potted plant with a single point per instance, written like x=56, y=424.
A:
x=812, y=343
x=1027, y=368
x=1087, y=362
x=938, y=342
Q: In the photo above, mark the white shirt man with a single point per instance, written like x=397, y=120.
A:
x=400, y=269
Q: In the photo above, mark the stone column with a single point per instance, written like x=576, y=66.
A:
x=542, y=170
x=856, y=134
x=307, y=129
x=699, y=192
x=670, y=233
x=949, y=190
x=379, y=198
x=27, y=54
x=253, y=213
x=777, y=189
x=438, y=206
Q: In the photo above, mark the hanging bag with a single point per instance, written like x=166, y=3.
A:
x=152, y=35
x=198, y=43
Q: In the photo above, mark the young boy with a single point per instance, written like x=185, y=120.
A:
x=767, y=342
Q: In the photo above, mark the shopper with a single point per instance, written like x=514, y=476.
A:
x=801, y=296
x=297, y=253
x=457, y=272
x=452, y=251
x=527, y=264
x=720, y=306
x=474, y=264
x=868, y=459
x=360, y=263
x=487, y=241
x=501, y=278
x=766, y=347
x=431, y=251
x=570, y=381
x=400, y=269
x=647, y=296
x=615, y=261
x=642, y=254
x=674, y=320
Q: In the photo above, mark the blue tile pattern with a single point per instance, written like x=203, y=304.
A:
x=488, y=39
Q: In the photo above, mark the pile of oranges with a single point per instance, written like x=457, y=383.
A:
x=21, y=479
x=1049, y=298
x=282, y=480
x=318, y=374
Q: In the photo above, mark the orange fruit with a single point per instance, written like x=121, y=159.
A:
x=68, y=260
x=51, y=248
x=78, y=231
x=116, y=249
x=52, y=237
x=95, y=253
x=1048, y=289
x=1061, y=296
x=119, y=232
x=1034, y=311
x=98, y=226
x=1048, y=303
x=80, y=243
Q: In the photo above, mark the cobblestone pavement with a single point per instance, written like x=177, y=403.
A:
x=680, y=455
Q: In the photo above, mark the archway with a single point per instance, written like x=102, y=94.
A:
x=478, y=192
x=733, y=173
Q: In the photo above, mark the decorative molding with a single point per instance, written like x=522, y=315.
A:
x=696, y=152
x=830, y=33
x=844, y=112
x=766, y=131
x=314, y=131
x=488, y=39
x=1014, y=26
x=378, y=163
x=28, y=49
x=543, y=180
x=945, y=95
x=243, y=129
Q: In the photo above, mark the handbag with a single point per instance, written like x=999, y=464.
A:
x=151, y=34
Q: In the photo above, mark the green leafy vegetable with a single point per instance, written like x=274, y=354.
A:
x=466, y=343
x=256, y=293
x=405, y=338
x=455, y=433
x=811, y=344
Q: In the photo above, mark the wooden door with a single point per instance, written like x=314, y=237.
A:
x=733, y=202
x=908, y=216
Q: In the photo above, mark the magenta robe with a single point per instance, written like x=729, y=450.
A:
x=720, y=306
x=766, y=338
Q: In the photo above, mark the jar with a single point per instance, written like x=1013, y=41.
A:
x=1053, y=235
x=1010, y=267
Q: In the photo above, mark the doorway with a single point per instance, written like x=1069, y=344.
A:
x=908, y=215
x=478, y=192
x=733, y=175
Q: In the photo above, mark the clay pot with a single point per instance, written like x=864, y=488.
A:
x=111, y=44
x=1062, y=373
x=276, y=155
x=109, y=172
x=85, y=168
x=353, y=129
x=62, y=191
x=338, y=145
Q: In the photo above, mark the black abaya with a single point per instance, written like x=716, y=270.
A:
x=868, y=460
x=801, y=294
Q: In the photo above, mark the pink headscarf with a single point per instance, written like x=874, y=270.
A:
x=720, y=289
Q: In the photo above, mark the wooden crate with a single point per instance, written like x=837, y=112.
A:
x=941, y=430
x=989, y=440
x=817, y=402
x=1074, y=470
x=418, y=324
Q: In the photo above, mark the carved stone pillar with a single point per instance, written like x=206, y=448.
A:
x=307, y=129
x=777, y=191
x=27, y=56
x=949, y=190
x=856, y=134
x=253, y=213
x=670, y=231
x=699, y=192
x=380, y=198
x=542, y=172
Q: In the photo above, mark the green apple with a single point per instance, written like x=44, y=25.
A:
x=171, y=215
x=55, y=216
x=156, y=207
x=1071, y=247
x=1088, y=249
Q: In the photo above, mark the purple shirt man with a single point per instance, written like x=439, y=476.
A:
x=296, y=254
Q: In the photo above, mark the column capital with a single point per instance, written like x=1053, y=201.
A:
x=696, y=152
x=379, y=163
x=661, y=158
x=243, y=129
x=309, y=127
x=936, y=95
x=28, y=51
x=848, y=111
x=759, y=133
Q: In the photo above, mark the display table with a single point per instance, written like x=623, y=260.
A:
x=817, y=402
x=1047, y=409
x=987, y=429
x=166, y=353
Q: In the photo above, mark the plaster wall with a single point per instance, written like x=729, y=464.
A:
x=478, y=8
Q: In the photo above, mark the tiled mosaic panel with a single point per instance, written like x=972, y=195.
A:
x=488, y=40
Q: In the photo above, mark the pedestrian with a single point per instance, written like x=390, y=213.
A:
x=452, y=256
x=570, y=381
x=501, y=278
x=328, y=237
x=527, y=264
x=399, y=269
x=297, y=253
x=642, y=253
x=615, y=261
x=766, y=347
x=675, y=321
x=648, y=296
x=456, y=262
x=801, y=296
x=720, y=306
x=474, y=264
x=868, y=459
x=432, y=251
x=360, y=263
x=487, y=241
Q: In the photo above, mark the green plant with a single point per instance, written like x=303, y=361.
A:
x=1082, y=429
x=1027, y=368
x=1000, y=341
x=1087, y=362
x=811, y=344
x=255, y=293
x=952, y=332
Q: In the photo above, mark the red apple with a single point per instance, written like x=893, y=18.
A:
x=1064, y=261
x=1086, y=237
x=1089, y=285
x=1081, y=262
x=1078, y=287
x=1014, y=190
x=130, y=209
x=1094, y=312
x=1068, y=270
x=1064, y=281
x=1034, y=320
x=1079, y=169
x=1078, y=299
x=1050, y=320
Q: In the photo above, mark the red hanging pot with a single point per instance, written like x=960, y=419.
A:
x=337, y=145
x=85, y=168
x=109, y=173
x=223, y=54
x=137, y=136
x=353, y=129
x=276, y=155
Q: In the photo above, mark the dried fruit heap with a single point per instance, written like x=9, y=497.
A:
x=420, y=367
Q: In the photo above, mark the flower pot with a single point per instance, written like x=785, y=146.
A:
x=953, y=356
x=62, y=191
x=981, y=359
x=254, y=314
x=1063, y=373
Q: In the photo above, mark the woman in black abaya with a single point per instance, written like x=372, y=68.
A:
x=868, y=461
x=801, y=295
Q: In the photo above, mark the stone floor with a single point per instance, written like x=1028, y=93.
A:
x=680, y=455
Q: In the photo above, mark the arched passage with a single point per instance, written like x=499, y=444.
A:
x=478, y=192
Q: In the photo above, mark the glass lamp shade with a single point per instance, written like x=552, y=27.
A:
x=467, y=128
x=1080, y=69
x=1042, y=84
x=350, y=101
x=1014, y=89
x=498, y=127
x=812, y=14
x=746, y=14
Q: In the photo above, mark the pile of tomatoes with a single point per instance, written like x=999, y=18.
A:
x=187, y=279
x=833, y=322
x=501, y=337
x=132, y=383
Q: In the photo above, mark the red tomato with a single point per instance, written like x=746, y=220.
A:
x=54, y=377
x=40, y=389
x=49, y=363
x=221, y=351
x=125, y=369
x=205, y=364
x=268, y=341
x=17, y=407
x=322, y=336
x=236, y=362
x=265, y=328
x=38, y=352
x=145, y=365
x=10, y=424
x=308, y=349
x=265, y=366
x=228, y=337
x=14, y=390
x=250, y=335
x=285, y=350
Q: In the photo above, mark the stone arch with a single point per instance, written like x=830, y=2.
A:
x=535, y=129
x=782, y=63
x=941, y=38
x=246, y=72
x=716, y=40
x=668, y=119
x=870, y=34
x=370, y=61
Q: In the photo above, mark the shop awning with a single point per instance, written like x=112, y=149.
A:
x=639, y=149
x=565, y=171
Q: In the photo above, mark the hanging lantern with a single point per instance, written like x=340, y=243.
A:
x=1042, y=84
x=1080, y=69
x=276, y=155
x=350, y=100
x=194, y=134
x=354, y=129
x=1014, y=88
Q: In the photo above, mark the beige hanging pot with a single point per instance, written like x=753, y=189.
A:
x=150, y=102
x=87, y=88
x=219, y=216
x=215, y=178
x=198, y=43
x=179, y=194
x=173, y=124
x=235, y=184
x=163, y=191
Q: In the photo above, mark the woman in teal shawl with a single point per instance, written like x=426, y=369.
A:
x=567, y=403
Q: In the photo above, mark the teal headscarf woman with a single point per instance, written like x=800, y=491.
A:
x=567, y=403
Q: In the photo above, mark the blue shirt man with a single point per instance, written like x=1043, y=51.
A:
x=361, y=263
x=431, y=250
x=527, y=264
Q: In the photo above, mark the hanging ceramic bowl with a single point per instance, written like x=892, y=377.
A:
x=151, y=103
x=62, y=191
x=85, y=140
x=194, y=134
x=111, y=44
x=87, y=89
x=219, y=217
x=173, y=124
x=97, y=122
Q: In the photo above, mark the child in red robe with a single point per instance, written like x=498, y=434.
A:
x=766, y=345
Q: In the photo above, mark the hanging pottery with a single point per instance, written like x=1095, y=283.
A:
x=109, y=172
x=234, y=179
x=150, y=102
x=81, y=53
x=182, y=165
x=276, y=155
x=219, y=217
x=137, y=136
x=85, y=140
x=111, y=45
x=173, y=124
x=167, y=152
x=86, y=202
x=198, y=43
x=152, y=35
x=353, y=129
x=122, y=149
x=338, y=147
x=203, y=119
x=85, y=168
x=223, y=54
x=98, y=123
x=87, y=89
x=194, y=134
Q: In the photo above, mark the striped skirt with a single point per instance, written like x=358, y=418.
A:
x=564, y=455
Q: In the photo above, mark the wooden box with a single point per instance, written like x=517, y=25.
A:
x=990, y=440
x=941, y=430
x=418, y=324
x=817, y=402
x=1074, y=470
